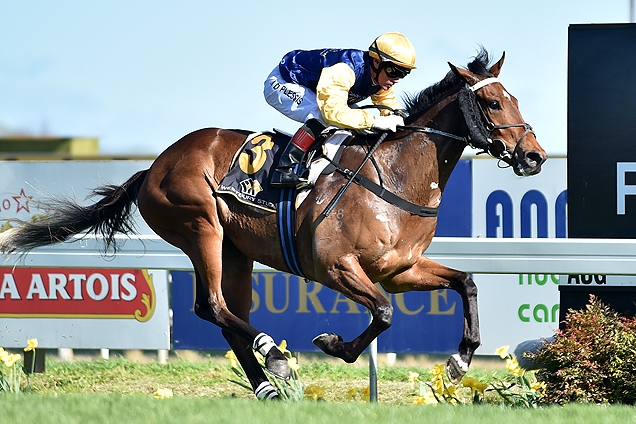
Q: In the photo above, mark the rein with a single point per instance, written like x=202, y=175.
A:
x=429, y=130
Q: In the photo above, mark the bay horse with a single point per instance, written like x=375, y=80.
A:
x=367, y=241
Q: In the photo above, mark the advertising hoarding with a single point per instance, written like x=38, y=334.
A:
x=601, y=148
x=76, y=307
x=288, y=308
x=602, y=131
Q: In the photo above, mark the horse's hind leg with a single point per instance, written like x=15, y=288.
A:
x=199, y=234
x=237, y=291
x=210, y=303
x=427, y=275
x=178, y=203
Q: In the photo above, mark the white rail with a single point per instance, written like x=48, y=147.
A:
x=474, y=255
x=549, y=256
x=147, y=252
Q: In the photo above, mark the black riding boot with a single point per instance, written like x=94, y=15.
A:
x=284, y=175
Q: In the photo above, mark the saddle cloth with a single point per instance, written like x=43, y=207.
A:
x=253, y=164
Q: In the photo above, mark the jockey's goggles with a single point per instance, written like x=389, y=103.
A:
x=394, y=71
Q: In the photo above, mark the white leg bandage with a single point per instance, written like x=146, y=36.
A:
x=263, y=344
x=463, y=366
x=265, y=390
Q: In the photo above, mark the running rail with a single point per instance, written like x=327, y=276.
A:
x=473, y=255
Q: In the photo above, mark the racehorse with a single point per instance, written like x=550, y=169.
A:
x=369, y=240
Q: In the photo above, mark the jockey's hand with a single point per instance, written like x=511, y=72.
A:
x=387, y=123
x=400, y=112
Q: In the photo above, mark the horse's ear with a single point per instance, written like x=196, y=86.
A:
x=464, y=74
x=496, y=68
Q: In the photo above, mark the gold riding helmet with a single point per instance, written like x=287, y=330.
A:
x=395, y=53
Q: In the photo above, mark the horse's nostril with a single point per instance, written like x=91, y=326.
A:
x=535, y=158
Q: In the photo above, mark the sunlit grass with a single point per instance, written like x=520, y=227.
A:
x=82, y=409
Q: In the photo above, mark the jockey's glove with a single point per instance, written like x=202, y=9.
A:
x=400, y=112
x=387, y=123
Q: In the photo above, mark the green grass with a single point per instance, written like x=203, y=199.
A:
x=83, y=409
x=211, y=378
x=119, y=390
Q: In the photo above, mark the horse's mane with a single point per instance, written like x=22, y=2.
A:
x=418, y=104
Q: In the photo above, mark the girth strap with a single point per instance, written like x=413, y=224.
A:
x=286, y=214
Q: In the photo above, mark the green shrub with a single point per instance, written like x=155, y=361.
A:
x=592, y=360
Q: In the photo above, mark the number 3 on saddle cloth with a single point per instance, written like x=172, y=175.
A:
x=250, y=173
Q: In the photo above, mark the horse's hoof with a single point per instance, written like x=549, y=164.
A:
x=456, y=368
x=276, y=363
x=327, y=343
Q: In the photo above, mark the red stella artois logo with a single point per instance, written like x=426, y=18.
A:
x=76, y=293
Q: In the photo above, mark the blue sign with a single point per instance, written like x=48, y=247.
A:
x=287, y=308
x=499, y=214
x=455, y=212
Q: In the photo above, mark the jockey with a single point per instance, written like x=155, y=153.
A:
x=317, y=87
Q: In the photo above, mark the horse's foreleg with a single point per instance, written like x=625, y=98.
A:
x=427, y=275
x=348, y=278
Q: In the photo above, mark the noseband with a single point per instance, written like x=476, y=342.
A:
x=496, y=147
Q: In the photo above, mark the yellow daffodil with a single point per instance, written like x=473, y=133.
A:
x=283, y=345
x=427, y=399
x=12, y=359
x=538, y=386
x=469, y=382
x=314, y=392
x=293, y=363
x=503, y=351
x=474, y=384
x=451, y=390
x=163, y=394
x=513, y=366
x=352, y=393
x=31, y=345
x=283, y=348
x=481, y=387
x=232, y=357
x=438, y=386
x=4, y=355
x=437, y=370
x=413, y=376
x=366, y=394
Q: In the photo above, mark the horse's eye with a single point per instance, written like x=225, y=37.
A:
x=494, y=105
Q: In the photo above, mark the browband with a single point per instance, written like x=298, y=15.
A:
x=483, y=83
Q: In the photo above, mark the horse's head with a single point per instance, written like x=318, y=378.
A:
x=494, y=122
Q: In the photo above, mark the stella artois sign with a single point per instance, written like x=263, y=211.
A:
x=76, y=293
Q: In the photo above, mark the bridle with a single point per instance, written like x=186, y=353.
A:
x=496, y=146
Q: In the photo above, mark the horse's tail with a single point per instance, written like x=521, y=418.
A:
x=111, y=215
